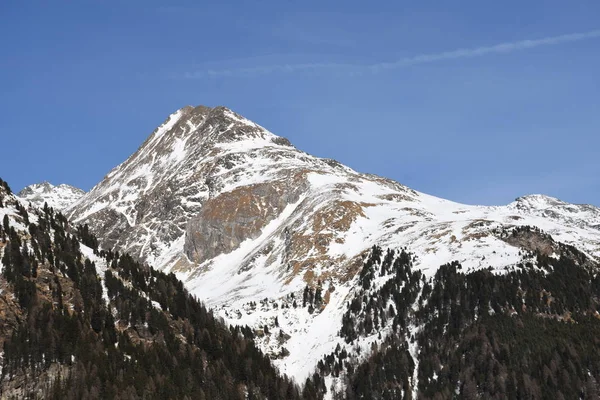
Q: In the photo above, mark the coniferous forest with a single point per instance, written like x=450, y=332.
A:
x=145, y=338
x=80, y=322
x=530, y=333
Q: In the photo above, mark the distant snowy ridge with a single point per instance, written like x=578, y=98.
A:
x=58, y=197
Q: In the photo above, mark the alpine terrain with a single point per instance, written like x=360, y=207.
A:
x=57, y=197
x=77, y=322
x=354, y=285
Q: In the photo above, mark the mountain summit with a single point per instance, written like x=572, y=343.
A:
x=58, y=197
x=196, y=154
x=243, y=217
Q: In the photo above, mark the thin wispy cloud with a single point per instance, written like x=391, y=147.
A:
x=502, y=48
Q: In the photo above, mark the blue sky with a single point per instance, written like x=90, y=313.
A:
x=478, y=102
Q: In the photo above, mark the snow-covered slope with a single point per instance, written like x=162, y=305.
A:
x=58, y=197
x=247, y=221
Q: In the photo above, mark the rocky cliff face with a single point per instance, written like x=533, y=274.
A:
x=58, y=197
x=244, y=217
x=148, y=202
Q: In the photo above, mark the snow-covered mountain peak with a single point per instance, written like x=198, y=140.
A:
x=541, y=201
x=574, y=215
x=198, y=132
x=242, y=216
x=208, y=180
x=196, y=154
x=218, y=125
x=58, y=197
x=538, y=201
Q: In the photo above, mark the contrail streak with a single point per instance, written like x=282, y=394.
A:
x=501, y=48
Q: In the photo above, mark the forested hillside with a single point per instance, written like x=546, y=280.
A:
x=532, y=332
x=79, y=323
